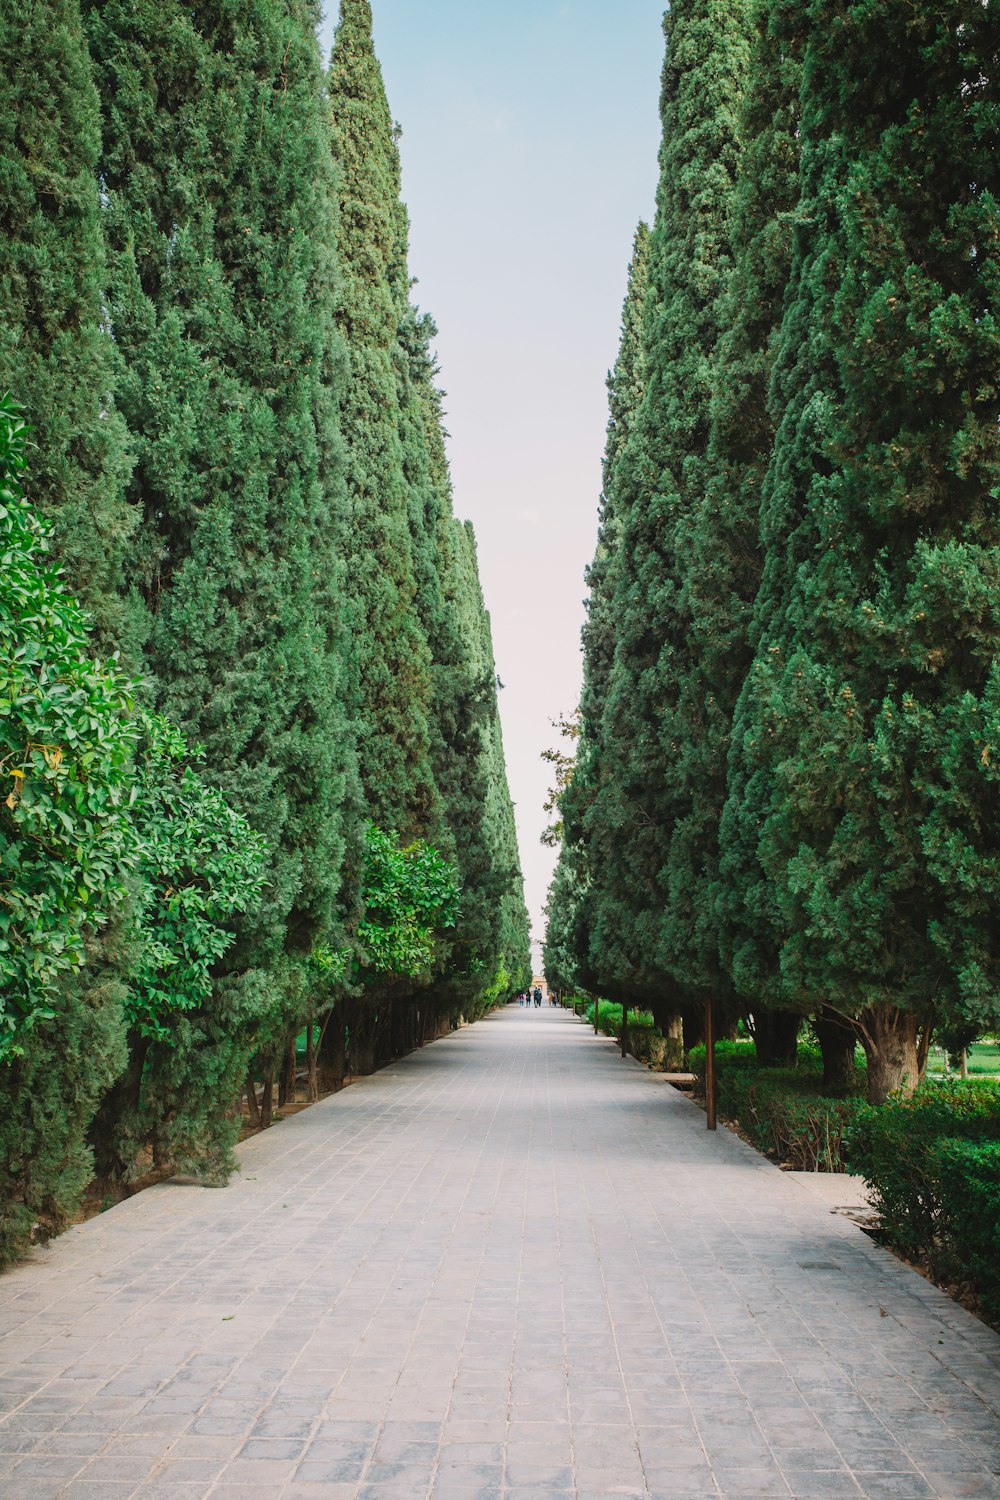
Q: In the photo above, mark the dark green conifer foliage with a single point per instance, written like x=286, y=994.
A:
x=220, y=217
x=463, y=694
x=567, y=958
x=641, y=927
x=626, y=389
x=497, y=932
x=724, y=559
x=864, y=774
x=429, y=504
x=55, y=356
x=394, y=661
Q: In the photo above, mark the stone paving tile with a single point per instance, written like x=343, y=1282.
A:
x=508, y=1267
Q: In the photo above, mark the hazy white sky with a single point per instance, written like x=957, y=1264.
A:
x=530, y=133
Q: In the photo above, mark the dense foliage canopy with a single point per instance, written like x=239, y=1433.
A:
x=785, y=793
x=238, y=460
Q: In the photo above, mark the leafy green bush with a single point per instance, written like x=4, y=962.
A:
x=611, y=1019
x=49, y=1091
x=964, y=1179
x=200, y=864
x=411, y=900
x=894, y=1147
x=729, y=1056
x=786, y=1116
x=643, y=1032
x=66, y=739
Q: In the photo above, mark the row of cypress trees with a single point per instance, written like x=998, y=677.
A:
x=237, y=443
x=785, y=797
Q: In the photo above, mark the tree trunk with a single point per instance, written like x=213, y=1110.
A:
x=776, y=1037
x=693, y=1027
x=106, y=1135
x=673, y=1052
x=837, y=1037
x=889, y=1037
x=267, y=1104
x=286, y=1088
x=252, y=1102
x=333, y=1049
x=311, y=1055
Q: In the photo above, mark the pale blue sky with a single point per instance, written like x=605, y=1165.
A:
x=530, y=133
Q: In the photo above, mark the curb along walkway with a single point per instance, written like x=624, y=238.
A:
x=509, y=1265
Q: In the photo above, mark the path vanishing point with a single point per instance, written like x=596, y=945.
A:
x=509, y=1265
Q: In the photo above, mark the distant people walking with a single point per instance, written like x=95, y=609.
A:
x=538, y=995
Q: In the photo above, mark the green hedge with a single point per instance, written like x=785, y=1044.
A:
x=966, y=1183
x=781, y=1110
x=643, y=1032
x=932, y=1164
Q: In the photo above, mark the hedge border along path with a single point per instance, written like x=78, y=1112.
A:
x=510, y=1265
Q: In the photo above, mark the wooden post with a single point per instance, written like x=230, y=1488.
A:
x=597, y=1015
x=624, y=1028
x=711, y=1094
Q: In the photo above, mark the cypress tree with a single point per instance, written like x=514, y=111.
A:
x=55, y=355
x=863, y=777
x=498, y=931
x=220, y=218
x=394, y=660
x=568, y=959
x=463, y=679
x=428, y=492
x=644, y=924
x=725, y=560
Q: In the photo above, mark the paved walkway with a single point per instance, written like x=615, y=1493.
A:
x=511, y=1264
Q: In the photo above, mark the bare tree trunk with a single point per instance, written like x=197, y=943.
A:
x=252, y=1102
x=673, y=1053
x=889, y=1037
x=286, y=1087
x=311, y=1055
x=333, y=1048
x=837, y=1037
x=776, y=1037
x=693, y=1023
x=267, y=1104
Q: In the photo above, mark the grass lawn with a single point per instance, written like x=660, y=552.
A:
x=984, y=1060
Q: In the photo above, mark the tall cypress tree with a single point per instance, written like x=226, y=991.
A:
x=504, y=941
x=220, y=217
x=863, y=783
x=725, y=560
x=642, y=918
x=55, y=354
x=572, y=892
x=497, y=928
x=463, y=704
x=394, y=661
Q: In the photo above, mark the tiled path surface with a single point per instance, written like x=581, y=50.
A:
x=510, y=1265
